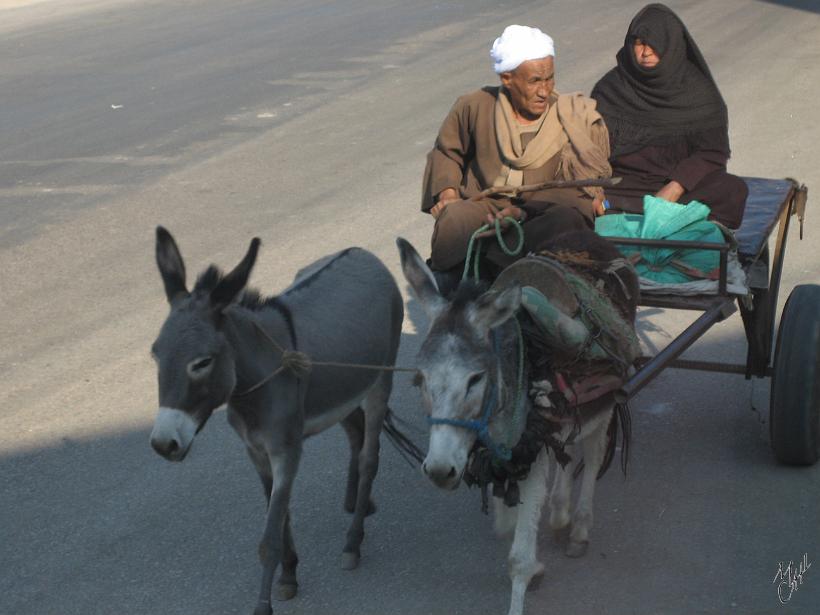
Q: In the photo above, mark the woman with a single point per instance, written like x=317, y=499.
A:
x=667, y=121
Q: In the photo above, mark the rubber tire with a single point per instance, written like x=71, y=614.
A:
x=794, y=412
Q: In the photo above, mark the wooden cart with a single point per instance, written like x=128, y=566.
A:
x=793, y=362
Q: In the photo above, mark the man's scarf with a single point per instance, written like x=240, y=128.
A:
x=656, y=106
x=567, y=128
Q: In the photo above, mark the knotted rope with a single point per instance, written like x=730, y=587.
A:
x=475, y=238
x=300, y=364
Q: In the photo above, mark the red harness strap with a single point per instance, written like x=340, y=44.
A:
x=587, y=389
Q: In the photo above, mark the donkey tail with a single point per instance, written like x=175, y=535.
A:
x=400, y=440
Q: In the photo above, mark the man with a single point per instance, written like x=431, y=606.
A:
x=520, y=133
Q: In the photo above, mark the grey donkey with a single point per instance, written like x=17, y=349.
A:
x=219, y=346
x=468, y=362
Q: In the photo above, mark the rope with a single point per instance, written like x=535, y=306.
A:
x=480, y=426
x=300, y=364
x=499, y=451
x=474, y=238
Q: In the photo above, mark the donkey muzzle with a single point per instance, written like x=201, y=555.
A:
x=447, y=455
x=173, y=433
x=443, y=475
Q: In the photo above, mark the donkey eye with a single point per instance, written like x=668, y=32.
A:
x=475, y=379
x=201, y=364
x=418, y=379
x=200, y=367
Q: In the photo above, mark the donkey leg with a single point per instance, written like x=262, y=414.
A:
x=262, y=465
x=287, y=583
x=353, y=425
x=561, y=493
x=594, y=445
x=284, y=465
x=504, y=518
x=375, y=409
x=287, y=580
x=523, y=563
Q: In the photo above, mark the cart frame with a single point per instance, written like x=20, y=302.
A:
x=758, y=309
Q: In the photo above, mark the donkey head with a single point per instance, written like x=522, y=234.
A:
x=458, y=364
x=195, y=362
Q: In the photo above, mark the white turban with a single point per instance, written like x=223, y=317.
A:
x=517, y=44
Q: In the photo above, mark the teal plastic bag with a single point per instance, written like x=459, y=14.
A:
x=665, y=220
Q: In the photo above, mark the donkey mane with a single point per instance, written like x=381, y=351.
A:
x=251, y=298
x=208, y=280
x=467, y=292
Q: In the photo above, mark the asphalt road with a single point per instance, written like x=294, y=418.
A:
x=307, y=124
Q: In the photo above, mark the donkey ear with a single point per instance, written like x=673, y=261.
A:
x=233, y=283
x=420, y=278
x=494, y=308
x=171, y=266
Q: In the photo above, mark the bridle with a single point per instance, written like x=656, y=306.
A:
x=491, y=402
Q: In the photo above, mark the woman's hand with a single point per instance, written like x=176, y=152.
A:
x=598, y=206
x=671, y=192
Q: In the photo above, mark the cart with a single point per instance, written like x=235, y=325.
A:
x=793, y=362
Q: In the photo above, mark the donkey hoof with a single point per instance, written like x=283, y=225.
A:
x=263, y=608
x=560, y=536
x=286, y=591
x=577, y=548
x=537, y=577
x=371, y=508
x=350, y=560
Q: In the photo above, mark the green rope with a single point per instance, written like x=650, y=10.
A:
x=474, y=252
x=519, y=389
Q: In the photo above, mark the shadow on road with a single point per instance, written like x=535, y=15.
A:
x=104, y=525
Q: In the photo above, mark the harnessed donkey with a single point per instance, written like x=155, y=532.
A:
x=474, y=387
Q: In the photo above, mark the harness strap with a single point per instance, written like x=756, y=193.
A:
x=482, y=426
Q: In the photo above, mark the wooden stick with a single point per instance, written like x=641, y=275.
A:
x=514, y=191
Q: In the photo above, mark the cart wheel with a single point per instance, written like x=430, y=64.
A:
x=794, y=413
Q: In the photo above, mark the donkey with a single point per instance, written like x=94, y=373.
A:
x=468, y=375
x=222, y=346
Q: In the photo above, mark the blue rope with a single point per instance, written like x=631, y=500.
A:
x=482, y=425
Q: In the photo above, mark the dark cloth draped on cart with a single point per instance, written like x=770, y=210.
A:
x=766, y=201
x=668, y=123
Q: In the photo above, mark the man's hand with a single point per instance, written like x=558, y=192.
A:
x=510, y=211
x=671, y=192
x=445, y=196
